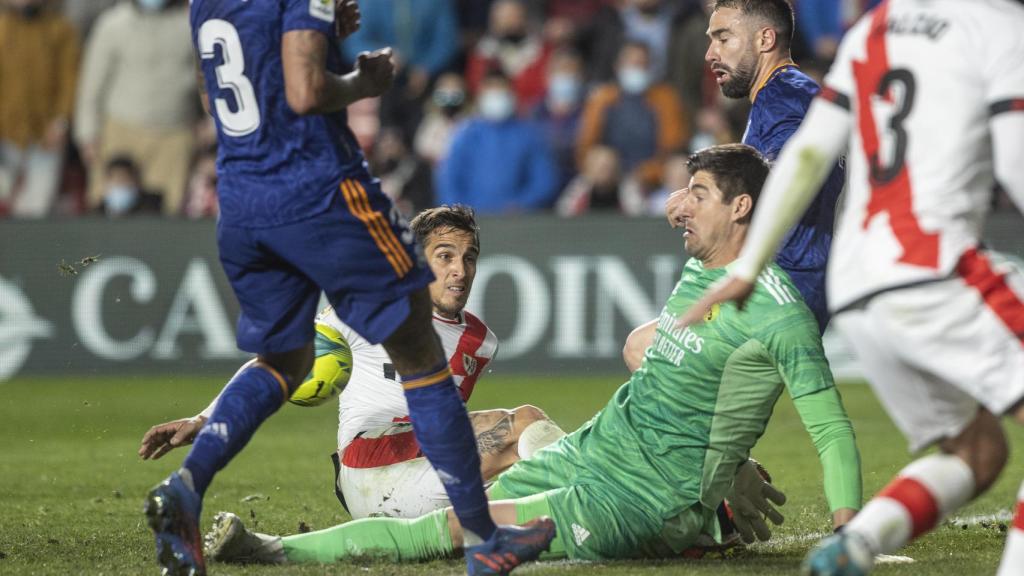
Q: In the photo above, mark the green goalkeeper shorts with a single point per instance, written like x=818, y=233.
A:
x=596, y=521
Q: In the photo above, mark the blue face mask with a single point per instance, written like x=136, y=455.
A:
x=564, y=89
x=120, y=199
x=152, y=5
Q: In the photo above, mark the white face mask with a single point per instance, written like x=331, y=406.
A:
x=120, y=199
x=497, y=105
x=564, y=89
x=634, y=80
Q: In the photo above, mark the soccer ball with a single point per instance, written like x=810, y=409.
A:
x=332, y=368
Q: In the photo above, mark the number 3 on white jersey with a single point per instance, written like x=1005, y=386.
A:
x=230, y=76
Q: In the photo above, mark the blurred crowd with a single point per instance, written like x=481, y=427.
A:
x=511, y=106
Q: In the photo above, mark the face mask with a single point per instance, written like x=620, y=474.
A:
x=497, y=105
x=449, y=98
x=702, y=140
x=564, y=89
x=120, y=199
x=152, y=5
x=634, y=80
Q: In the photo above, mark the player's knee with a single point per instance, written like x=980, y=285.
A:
x=293, y=365
x=528, y=414
x=983, y=446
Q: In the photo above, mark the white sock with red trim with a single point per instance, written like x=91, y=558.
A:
x=1013, y=555
x=914, y=502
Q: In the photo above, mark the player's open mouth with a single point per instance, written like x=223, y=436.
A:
x=720, y=74
x=457, y=289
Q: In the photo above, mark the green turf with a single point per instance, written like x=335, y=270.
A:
x=71, y=485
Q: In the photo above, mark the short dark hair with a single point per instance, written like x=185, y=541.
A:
x=737, y=169
x=778, y=13
x=455, y=216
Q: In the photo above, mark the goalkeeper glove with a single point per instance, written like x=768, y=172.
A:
x=751, y=498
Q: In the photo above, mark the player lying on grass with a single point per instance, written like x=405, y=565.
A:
x=379, y=467
x=644, y=477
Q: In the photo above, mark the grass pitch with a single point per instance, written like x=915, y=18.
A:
x=71, y=485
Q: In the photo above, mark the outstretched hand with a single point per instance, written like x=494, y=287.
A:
x=376, y=72
x=728, y=289
x=347, y=18
x=163, y=438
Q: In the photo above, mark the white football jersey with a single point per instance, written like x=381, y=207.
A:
x=921, y=79
x=374, y=397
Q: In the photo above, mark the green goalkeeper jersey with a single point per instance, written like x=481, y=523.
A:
x=673, y=435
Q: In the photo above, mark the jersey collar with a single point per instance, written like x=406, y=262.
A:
x=461, y=319
x=771, y=76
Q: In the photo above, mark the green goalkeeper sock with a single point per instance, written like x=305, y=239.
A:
x=394, y=539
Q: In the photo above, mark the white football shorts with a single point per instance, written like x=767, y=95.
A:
x=934, y=352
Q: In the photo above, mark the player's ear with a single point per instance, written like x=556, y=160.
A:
x=766, y=39
x=742, y=206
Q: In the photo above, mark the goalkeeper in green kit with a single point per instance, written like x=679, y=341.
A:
x=644, y=477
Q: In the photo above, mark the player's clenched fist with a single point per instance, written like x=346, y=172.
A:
x=375, y=71
x=674, y=207
x=346, y=17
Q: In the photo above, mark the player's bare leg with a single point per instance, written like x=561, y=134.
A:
x=174, y=506
x=1013, y=553
x=918, y=498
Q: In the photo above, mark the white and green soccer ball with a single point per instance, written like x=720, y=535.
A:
x=332, y=368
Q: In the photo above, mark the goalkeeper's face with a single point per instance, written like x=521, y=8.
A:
x=710, y=225
x=452, y=255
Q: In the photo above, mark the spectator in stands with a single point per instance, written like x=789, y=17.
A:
x=38, y=73
x=600, y=187
x=138, y=96
x=123, y=194
x=201, y=197
x=677, y=177
x=686, y=70
x=647, y=21
x=643, y=121
x=558, y=114
x=444, y=111
x=498, y=163
x=404, y=177
x=514, y=50
x=424, y=36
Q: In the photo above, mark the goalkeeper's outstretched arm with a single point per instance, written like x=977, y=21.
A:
x=825, y=419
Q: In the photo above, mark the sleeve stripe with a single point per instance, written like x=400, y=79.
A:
x=1009, y=105
x=835, y=97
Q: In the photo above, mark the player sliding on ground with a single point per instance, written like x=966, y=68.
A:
x=300, y=214
x=937, y=322
x=379, y=467
x=644, y=477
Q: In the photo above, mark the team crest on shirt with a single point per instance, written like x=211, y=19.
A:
x=322, y=9
x=712, y=312
x=469, y=364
